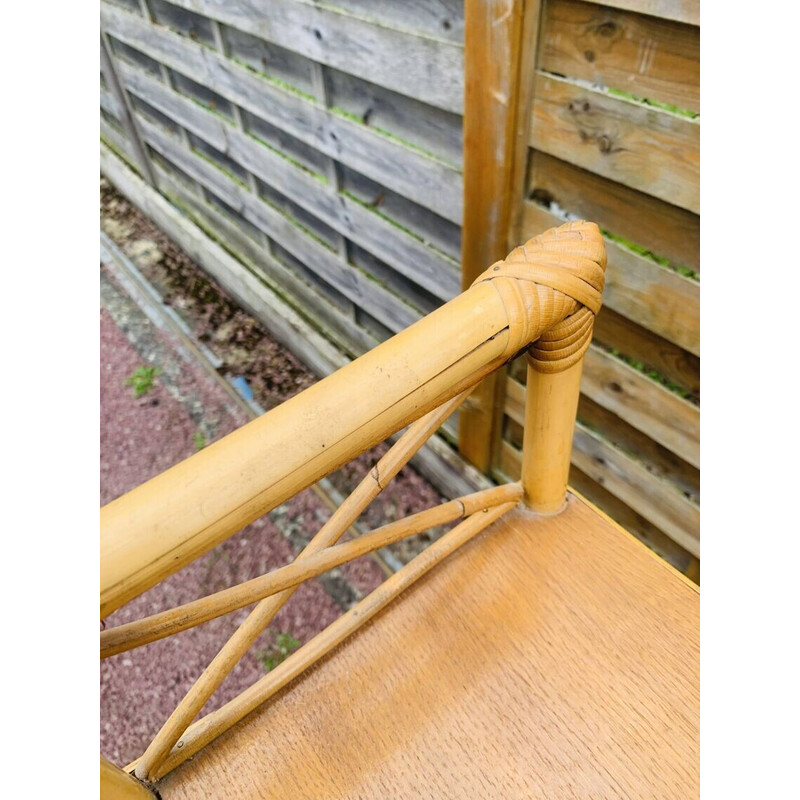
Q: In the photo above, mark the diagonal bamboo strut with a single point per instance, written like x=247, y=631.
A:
x=232, y=651
x=212, y=725
x=166, y=623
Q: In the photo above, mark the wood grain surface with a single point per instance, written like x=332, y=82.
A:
x=651, y=58
x=551, y=657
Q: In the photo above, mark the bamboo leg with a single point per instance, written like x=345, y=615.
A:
x=550, y=409
x=232, y=651
x=212, y=725
x=158, y=626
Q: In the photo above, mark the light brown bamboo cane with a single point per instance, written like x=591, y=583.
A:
x=212, y=725
x=166, y=623
x=550, y=407
x=232, y=651
x=164, y=524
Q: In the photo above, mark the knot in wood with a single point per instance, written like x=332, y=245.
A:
x=552, y=287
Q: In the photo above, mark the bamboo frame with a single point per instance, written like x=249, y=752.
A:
x=212, y=725
x=158, y=528
x=545, y=292
x=166, y=623
x=550, y=408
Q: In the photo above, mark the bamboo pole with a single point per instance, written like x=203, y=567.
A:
x=232, y=651
x=161, y=526
x=118, y=785
x=158, y=528
x=166, y=623
x=550, y=407
x=212, y=725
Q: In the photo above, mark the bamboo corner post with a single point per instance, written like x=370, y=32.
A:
x=573, y=258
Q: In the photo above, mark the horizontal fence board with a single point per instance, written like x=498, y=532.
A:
x=673, y=363
x=408, y=255
x=270, y=59
x=687, y=11
x=629, y=519
x=654, y=151
x=651, y=58
x=436, y=460
x=653, y=296
x=441, y=18
x=662, y=228
x=656, y=458
x=421, y=67
x=647, y=406
x=248, y=290
x=432, y=129
x=425, y=180
x=629, y=480
x=652, y=497
x=307, y=301
x=616, y=428
x=353, y=284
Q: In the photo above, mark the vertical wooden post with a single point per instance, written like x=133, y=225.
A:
x=500, y=36
x=550, y=408
x=114, y=84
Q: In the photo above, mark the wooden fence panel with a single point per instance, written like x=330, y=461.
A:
x=323, y=143
x=614, y=136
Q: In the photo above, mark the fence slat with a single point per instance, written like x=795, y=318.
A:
x=651, y=58
x=647, y=149
x=425, y=180
x=304, y=299
x=661, y=228
x=633, y=341
x=656, y=297
x=352, y=283
x=422, y=67
x=687, y=11
x=413, y=258
x=646, y=405
x=652, y=497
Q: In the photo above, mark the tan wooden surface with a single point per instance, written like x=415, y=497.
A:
x=551, y=657
x=648, y=149
x=492, y=90
x=665, y=229
x=648, y=57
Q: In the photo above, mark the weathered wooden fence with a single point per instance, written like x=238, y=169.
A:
x=321, y=144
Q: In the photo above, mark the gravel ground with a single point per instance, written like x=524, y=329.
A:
x=141, y=437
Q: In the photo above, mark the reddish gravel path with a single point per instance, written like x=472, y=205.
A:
x=140, y=438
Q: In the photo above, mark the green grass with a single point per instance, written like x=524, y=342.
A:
x=348, y=115
x=651, y=373
x=142, y=380
x=682, y=112
x=293, y=161
x=278, y=651
x=645, y=253
x=199, y=441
